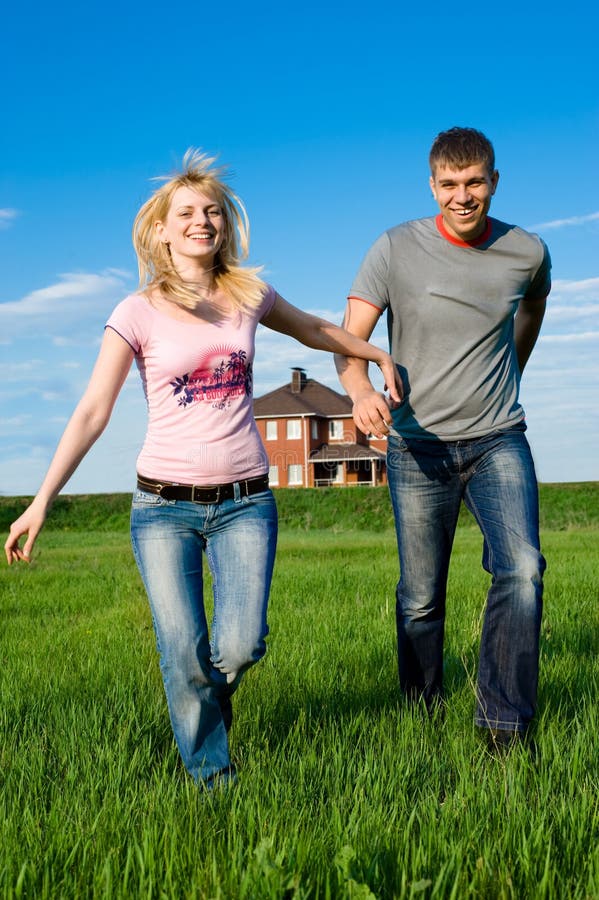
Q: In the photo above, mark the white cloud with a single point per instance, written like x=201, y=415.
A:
x=17, y=369
x=564, y=223
x=70, y=312
x=14, y=421
x=83, y=340
x=554, y=313
x=58, y=297
x=577, y=338
x=7, y=216
x=586, y=286
x=572, y=311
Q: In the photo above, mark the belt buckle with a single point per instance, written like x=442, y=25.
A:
x=201, y=487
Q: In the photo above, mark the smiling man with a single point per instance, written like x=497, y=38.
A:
x=465, y=296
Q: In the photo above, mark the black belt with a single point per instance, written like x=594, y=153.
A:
x=199, y=493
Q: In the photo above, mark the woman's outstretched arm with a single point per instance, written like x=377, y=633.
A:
x=84, y=427
x=323, y=335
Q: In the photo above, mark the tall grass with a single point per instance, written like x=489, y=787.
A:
x=343, y=791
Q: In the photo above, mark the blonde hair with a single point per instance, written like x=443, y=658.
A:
x=242, y=285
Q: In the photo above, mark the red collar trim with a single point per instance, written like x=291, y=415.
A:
x=452, y=240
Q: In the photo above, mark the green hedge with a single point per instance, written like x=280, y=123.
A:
x=563, y=506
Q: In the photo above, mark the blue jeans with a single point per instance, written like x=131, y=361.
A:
x=494, y=476
x=201, y=669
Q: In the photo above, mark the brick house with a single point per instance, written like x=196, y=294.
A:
x=312, y=440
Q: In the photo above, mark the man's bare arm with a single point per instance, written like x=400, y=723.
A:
x=527, y=326
x=371, y=410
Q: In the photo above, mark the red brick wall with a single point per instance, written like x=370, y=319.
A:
x=284, y=451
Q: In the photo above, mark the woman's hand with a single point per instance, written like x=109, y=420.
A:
x=29, y=523
x=393, y=382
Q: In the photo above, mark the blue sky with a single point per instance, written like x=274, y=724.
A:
x=325, y=113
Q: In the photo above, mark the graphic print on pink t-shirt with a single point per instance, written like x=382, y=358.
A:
x=222, y=374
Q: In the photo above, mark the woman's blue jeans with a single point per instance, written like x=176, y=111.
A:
x=202, y=668
x=494, y=476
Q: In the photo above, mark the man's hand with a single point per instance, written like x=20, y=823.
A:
x=371, y=413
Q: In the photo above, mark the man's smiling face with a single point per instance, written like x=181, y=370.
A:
x=464, y=198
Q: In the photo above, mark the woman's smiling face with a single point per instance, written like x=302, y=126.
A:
x=194, y=227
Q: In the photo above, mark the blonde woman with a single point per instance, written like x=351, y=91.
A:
x=202, y=483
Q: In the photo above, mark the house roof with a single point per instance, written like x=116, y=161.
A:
x=345, y=453
x=314, y=399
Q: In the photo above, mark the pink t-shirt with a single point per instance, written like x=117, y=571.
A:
x=197, y=380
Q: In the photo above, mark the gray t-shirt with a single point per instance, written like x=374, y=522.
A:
x=450, y=316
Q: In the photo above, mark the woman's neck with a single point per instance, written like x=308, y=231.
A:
x=199, y=278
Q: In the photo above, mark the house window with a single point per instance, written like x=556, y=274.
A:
x=335, y=430
x=294, y=475
x=294, y=429
x=314, y=430
x=273, y=475
x=271, y=430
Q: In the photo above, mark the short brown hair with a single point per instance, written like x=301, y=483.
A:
x=459, y=148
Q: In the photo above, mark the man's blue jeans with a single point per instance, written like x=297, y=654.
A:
x=494, y=476
x=201, y=669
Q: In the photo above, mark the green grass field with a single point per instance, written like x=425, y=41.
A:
x=343, y=792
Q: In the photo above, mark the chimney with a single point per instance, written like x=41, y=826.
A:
x=298, y=380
